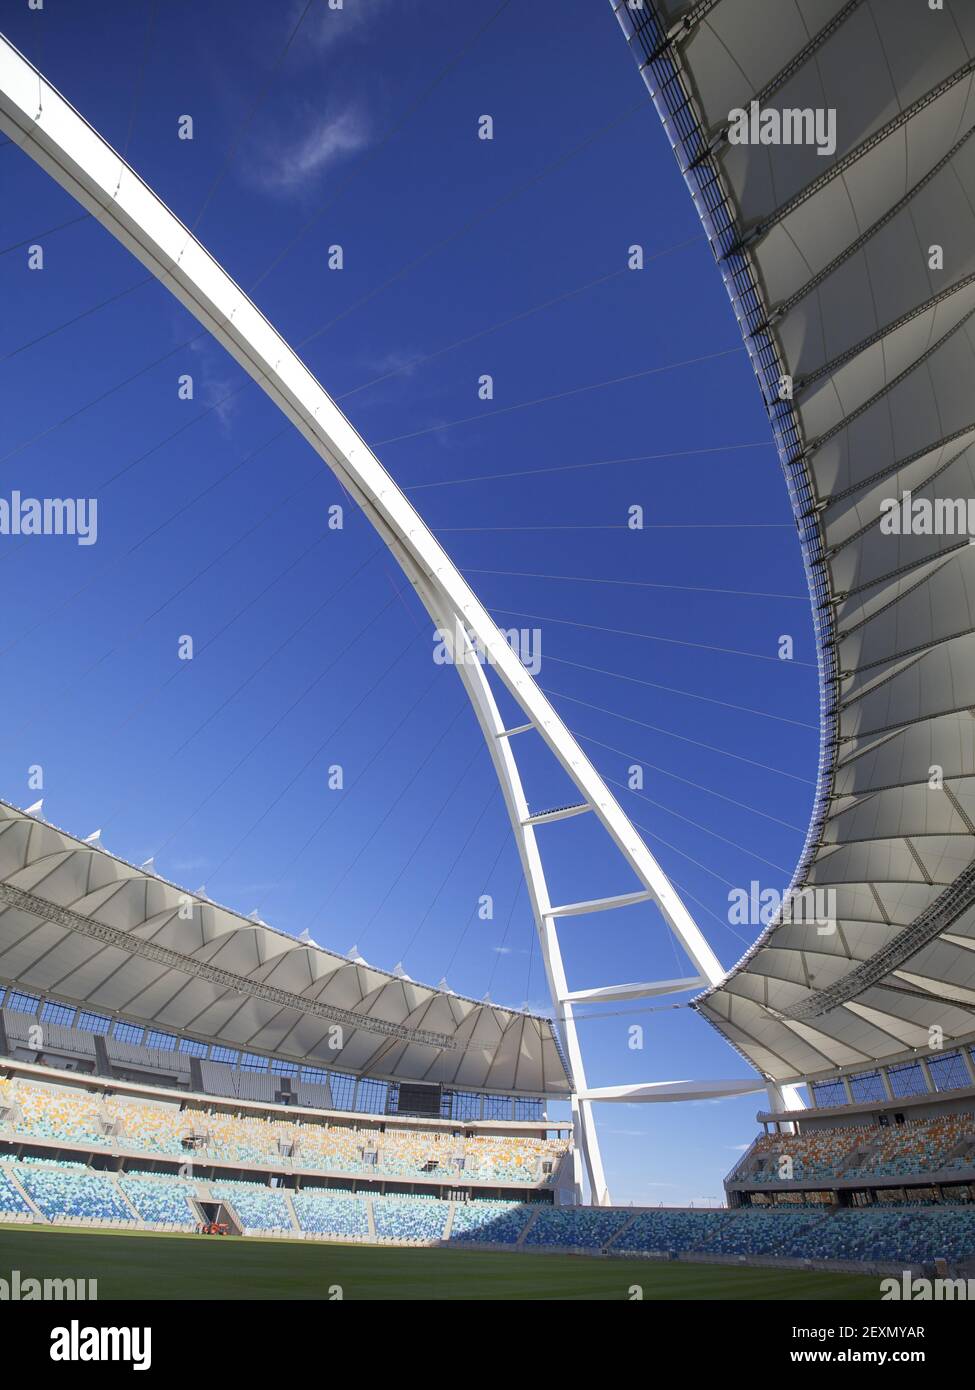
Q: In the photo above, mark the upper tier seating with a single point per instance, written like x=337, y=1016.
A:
x=73, y=1116
x=214, y=1136
x=943, y=1143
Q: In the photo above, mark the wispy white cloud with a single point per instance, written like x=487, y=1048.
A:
x=288, y=164
x=219, y=389
x=326, y=27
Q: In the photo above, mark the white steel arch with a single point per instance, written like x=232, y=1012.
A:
x=56, y=137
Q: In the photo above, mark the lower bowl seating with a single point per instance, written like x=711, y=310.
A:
x=489, y=1223
x=71, y=1190
x=331, y=1214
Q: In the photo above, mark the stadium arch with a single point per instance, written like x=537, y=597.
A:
x=47, y=128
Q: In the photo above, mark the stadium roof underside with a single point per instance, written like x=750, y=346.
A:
x=831, y=262
x=88, y=928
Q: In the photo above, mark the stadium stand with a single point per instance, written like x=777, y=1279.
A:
x=11, y=1202
x=63, y=1189
x=160, y=1201
x=489, y=1222
x=665, y=1231
x=410, y=1219
x=160, y=1128
x=69, y=1192
x=942, y=1143
x=50, y=1114
x=580, y=1228
x=261, y=1209
x=340, y=1216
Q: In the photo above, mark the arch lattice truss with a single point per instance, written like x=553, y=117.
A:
x=852, y=272
x=53, y=134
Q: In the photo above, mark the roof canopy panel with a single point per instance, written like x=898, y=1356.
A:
x=851, y=264
x=88, y=928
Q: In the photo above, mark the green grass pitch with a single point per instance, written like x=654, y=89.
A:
x=142, y=1266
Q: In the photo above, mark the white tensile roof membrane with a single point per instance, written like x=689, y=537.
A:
x=85, y=927
x=832, y=263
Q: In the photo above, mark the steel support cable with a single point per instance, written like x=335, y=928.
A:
x=424, y=762
x=421, y=361
x=523, y=314
x=480, y=747
x=505, y=840
x=637, y=584
x=316, y=753
x=251, y=113
x=390, y=133
x=688, y=694
x=205, y=332
x=698, y=786
x=140, y=78
x=501, y=949
x=240, y=613
x=721, y=921
x=186, y=506
x=141, y=458
x=276, y=725
x=493, y=795
x=188, y=342
x=621, y=526
x=77, y=318
x=651, y=637
x=75, y=681
x=226, y=627
x=420, y=767
x=48, y=231
x=562, y=395
x=459, y=232
x=103, y=396
x=273, y=656
x=595, y=463
x=711, y=748
x=752, y=854
x=683, y=854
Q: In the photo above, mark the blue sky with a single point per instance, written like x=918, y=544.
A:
x=612, y=388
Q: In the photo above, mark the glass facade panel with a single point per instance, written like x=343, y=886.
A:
x=907, y=1080
x=867, y=1085
x=829, y=1093
x=57, y=1013
x=949, y=1071
x=92, y=1023
x=129, y=1033
x=23, y=1003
